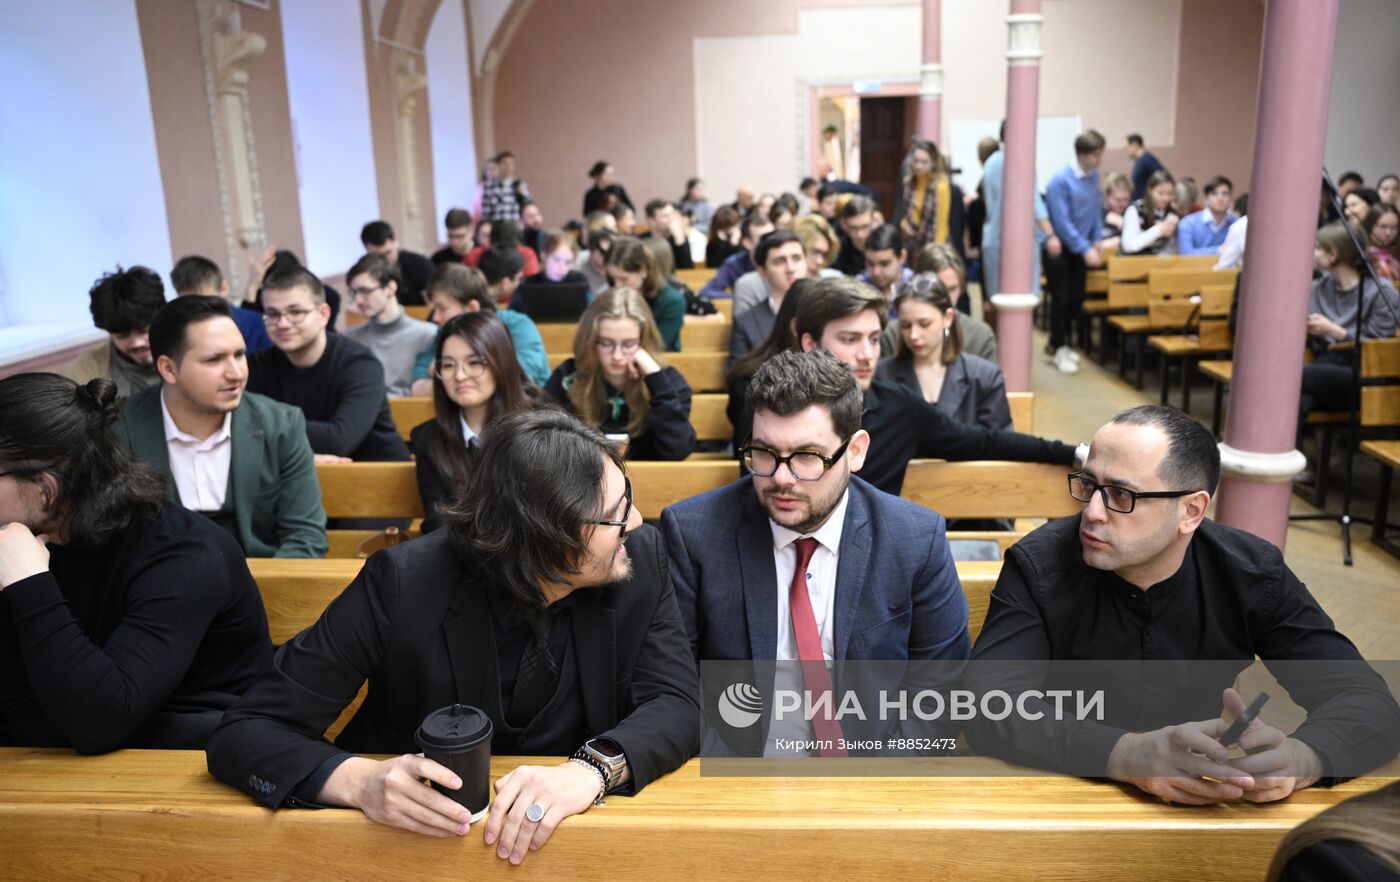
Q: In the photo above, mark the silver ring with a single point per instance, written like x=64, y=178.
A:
x=535, y=813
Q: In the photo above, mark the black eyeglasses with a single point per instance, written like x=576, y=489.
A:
x=626, y=512
x=805, y=465
x=1119, y=499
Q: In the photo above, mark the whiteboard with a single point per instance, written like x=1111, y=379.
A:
x=1054, y=147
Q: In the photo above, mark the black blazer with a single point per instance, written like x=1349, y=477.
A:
x=434, y=484
x=974, y=391
x=419, y=628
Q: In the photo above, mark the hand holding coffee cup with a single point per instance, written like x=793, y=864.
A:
x=458, y=737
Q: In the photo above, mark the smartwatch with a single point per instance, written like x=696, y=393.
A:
x=607, y=754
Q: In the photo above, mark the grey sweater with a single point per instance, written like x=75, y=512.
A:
x=397, y=346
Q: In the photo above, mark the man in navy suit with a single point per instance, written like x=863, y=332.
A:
x=800, y=561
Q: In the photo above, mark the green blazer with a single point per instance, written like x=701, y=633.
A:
x=276, y=497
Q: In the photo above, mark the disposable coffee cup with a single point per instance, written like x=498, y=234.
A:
x=459, y=737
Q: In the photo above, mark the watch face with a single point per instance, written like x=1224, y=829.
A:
x=605, y=748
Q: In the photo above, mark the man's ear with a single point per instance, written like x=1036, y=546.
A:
x=1193, y=511
x=473, y=306
x=165, y=366
x=808, y=344
x=858, y=448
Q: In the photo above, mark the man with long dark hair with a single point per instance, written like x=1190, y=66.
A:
x=124, y=621
x=544, y=603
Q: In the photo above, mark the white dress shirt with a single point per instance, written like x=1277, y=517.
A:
x=200, y=467
x=1135, y=238
x=1232, y=252
x=467, y=433
x=821, y=589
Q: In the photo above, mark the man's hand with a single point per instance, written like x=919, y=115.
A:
x=1278, y=764
x=1320, y=325
x=1169, y=763
x=561, y=791
x=1053, y=246
x=1093, y=258
x=330, y=457
x=22, y=554
x=392, y=792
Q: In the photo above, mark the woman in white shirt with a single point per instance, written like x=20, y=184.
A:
x=1149, y=226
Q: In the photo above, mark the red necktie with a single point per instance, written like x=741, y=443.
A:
x=816, y=679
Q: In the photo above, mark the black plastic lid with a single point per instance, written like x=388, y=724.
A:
x=456, y=727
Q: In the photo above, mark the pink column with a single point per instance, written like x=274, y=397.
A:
x=931, y=75
x=1258, y=460
x=1017, y=299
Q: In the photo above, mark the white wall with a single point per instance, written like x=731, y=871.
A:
x=328, y=94
x=80, y=186
x=1363, y=129
x=450, y=98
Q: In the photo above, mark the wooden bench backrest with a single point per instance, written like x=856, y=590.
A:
x=1167, y=282
x=725, y=307
x=558, y=336
x=703, y=371
x=708, y=417
x=1216, y=300
x=1127, y=295
x=369, y=490
x=1022, y=406
x=1171, y=313
x=419, y=312
x=990, y=489
x=1380, y=358
x=1380, y=406
x=410, y=412
x=1134, y=268
x=656, y=485
x=697, y=278
x=707, y=335
x=1215, y=334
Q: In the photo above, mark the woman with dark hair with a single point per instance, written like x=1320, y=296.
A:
x=631, y=264
x=618, y=381
x=1354, y=841
x=724, y=236
x=1382, y=225
x=559, y=255
x=1149, y=227
x=476, y=378
x=1356, y=203
x=930, y=205
x=929, y=359
x=606, y=193
x=126, y=620
x=782, y=338
x=695, y=203
x=1388, y=189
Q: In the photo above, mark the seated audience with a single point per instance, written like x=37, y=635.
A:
x=595, y=264
x=1135, y=577
x=1117, y=196
x=195, y=276
x=414, y=269
x=664, y=222
x=1357, y=204
x=504, y=196
x=1388, y=189
x=571, y=644
x=337, y=382
x=125, y=621
x=606, y=193
x=807, y=195
x=977, y=336
x=1356, y=840
x=503, y=270
x=1184, y=201
x=458, y=290
x=482, y=237
x=827, y=203
x=241, y=460
x=782, y=215
x=743, y=200
x=697, y=204
x=476, y=379
x=802, y=511
x=1204, y=232
x=559, y=251
x=532, y=228
x=122, y=304
x=884, y=262
x=846, y=318
x=857, y=220
x=626, y=217
x=631, y=265
x=781, y=338
x=1145, y=165
x=1232, y=252
x=724, y=236
x=929, y=359
x=279, y=263
x=819, y=242
x=1350, y=180
x=1149, y=227
x=1382, y=224
x=781, y=262
x=751, y=229
x=764, y=205
x=930, y=205
x=1337, y=294
x=459, y=237
x=391, y=334
x=619, y=383
x=506, y=235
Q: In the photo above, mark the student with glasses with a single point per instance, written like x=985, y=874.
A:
x=802, y=560
x=476, y=379
x=337, y=382
x=544, y=602
x=1142, y=575
x=395, y=337
x=619, y=382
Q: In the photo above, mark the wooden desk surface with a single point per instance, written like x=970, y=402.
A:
x=158, y=814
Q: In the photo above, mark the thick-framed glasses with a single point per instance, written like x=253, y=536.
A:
x=805, y=465
x=295, y=316
x=626, y=347
x=471, y=369
x=1119, y=499
x=626, y=511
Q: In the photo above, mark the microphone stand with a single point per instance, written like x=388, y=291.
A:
x=1345, y=518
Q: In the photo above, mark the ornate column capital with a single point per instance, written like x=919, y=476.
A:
x=232, y=50
x=931, y=81
x=1023, y=38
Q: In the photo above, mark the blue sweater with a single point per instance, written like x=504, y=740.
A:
x=734, y=266
x=1197, y=233
x=1075, y=208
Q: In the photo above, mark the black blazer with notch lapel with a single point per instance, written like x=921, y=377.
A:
x=974, y=390
x=418, y=628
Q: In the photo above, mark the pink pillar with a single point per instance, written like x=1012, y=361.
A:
x=1019, y=292
x=931, y=75
x=1258, y=460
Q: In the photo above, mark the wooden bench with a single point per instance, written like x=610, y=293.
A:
x=1211, y=321
x=1167, y=300
x=1123, y=281
x=417, y=312
x=696, y=278
x=703, y=371
x=703, y=335
x=137, y=814
x=989, y=489
x=1387, y=453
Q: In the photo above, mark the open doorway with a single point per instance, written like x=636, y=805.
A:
x=858, y=131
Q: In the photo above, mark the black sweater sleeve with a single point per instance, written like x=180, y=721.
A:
x=99, y=695
x=942, y=437
x=359, y=390
x=669, y=434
